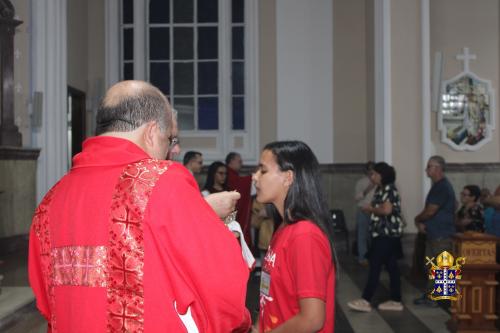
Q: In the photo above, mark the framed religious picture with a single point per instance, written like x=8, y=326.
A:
x=467, y=110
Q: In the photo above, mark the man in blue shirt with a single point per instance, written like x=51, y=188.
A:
x=436, y=220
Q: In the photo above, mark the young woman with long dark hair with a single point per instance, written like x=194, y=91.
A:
x=298, y=274
x=216, y=179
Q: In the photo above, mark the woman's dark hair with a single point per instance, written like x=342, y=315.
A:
x=212, y=170
x=474, y=190
x=386, y=172
x=305, y=199
x=369, y=166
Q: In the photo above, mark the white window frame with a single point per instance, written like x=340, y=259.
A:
x=225, y=136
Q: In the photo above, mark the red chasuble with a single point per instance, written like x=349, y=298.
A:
x=125, y=243
x=243, y=185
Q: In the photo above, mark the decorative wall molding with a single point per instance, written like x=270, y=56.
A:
x=17, y=153
x=358, y=168
x=472, y=167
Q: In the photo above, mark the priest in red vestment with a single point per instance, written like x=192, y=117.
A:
x=243, y=185
x=125, y=243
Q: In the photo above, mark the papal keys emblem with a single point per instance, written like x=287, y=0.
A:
x=445, y=276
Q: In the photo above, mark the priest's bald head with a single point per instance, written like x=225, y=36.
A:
x=139, y=112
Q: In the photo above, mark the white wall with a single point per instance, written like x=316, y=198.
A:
x=304, y=42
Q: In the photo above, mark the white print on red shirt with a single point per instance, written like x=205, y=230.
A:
x=269, y=260
x=265, y=284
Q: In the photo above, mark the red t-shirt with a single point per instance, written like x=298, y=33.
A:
x=297, y=265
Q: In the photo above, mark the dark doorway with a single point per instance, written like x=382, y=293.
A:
x=76, y=121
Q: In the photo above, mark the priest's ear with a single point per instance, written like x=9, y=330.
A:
x=149, y=133
x=151, y=137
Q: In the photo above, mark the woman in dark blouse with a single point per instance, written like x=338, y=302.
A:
x=386, y=229
x=469, y=216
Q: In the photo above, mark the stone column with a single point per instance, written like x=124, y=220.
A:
x=9, y=133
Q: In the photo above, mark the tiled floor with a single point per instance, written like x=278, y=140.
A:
x=351, y=282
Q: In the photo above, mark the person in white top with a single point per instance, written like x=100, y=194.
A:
x=363, y=194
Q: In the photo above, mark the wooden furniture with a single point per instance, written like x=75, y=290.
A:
x=475, y=311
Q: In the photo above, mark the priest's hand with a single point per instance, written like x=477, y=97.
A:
x=223, y=203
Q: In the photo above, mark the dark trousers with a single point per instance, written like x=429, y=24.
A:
x=384, y=251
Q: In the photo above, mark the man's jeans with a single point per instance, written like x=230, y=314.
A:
x=363, y=224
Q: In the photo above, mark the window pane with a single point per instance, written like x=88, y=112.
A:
x=207, y=11
x=238, y=7
x=183, y=43
x=128, y=44
x=238, y=42
x=183, y=11
x=159, y=76
x=159, y=42
x=238, y=113
x=183, y=78
x=207, y=43
x=208, y=115
x=185, y=112
x=159, y=11
x=208, y=77
x=238, y=78
x=128, y=11
x=128, y=71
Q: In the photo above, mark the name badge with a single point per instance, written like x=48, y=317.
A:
x=265, y=283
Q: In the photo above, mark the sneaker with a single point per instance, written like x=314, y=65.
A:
x=361, y=305
x=391, y=306
x=424, y=300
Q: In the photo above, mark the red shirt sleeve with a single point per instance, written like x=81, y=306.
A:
x=310, y=261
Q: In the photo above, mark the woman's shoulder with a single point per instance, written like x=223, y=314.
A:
x=305, y=227
x=390, y=187
x=305, y=233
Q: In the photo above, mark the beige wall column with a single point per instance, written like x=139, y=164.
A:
x=49, y=78
x=267, y=71
x=77, y=44
x=383, y=78
x=96, y=61
x=406, y=92
x=427, y=147
x=350, y=109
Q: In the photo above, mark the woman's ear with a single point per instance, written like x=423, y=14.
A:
x=289, y=177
